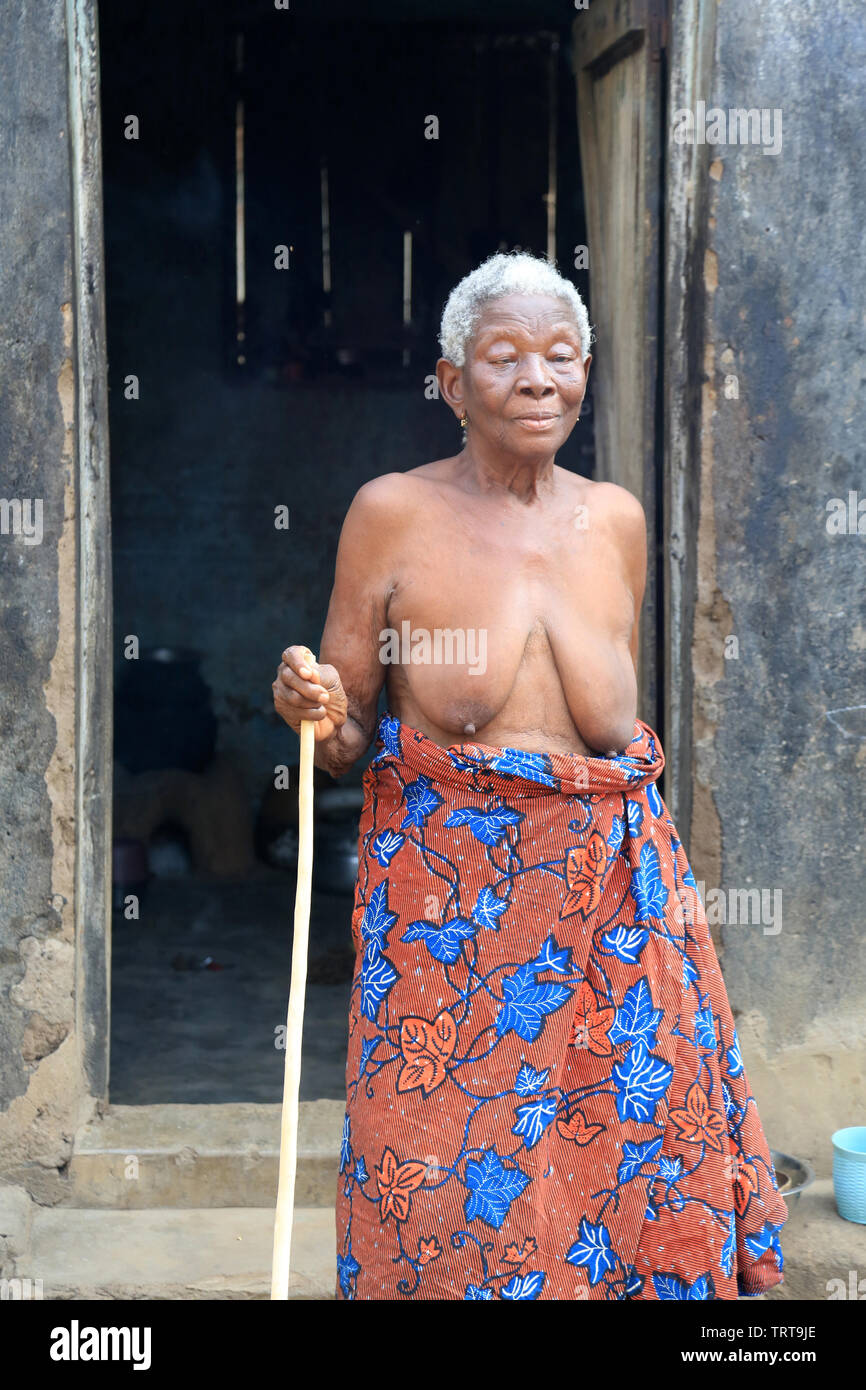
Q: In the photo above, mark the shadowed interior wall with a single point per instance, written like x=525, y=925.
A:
x=202, y=457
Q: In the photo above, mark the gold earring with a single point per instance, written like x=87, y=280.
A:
x=464, y=420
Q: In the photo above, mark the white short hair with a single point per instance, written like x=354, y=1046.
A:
x=508, y=272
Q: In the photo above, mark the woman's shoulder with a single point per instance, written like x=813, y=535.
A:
x=440, y=470
x=615, y=501
x=389, y=489
x=389, y=497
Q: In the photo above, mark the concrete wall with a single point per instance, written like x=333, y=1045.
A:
x=778, y=792
x=42, y=1084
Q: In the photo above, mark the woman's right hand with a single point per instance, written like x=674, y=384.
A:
x=304, y=689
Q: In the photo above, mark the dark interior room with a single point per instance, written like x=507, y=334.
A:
x=288, y=200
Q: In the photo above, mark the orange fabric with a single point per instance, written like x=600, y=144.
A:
x=545, y=1095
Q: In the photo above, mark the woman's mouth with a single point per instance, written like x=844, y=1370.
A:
x=537, y=422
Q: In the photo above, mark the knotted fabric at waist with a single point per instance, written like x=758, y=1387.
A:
x=513, y=771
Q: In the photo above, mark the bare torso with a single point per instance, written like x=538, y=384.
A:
x=543, y=595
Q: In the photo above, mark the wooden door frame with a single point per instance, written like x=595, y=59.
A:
x=618, y=60
x=690, y=33
x=679, y=35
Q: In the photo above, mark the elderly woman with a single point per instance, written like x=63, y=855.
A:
x=545, y=1097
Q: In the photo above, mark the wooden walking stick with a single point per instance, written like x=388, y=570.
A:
x=295, y=1021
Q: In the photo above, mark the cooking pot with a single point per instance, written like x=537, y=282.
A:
x=335, y=846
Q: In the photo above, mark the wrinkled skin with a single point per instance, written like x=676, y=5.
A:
x=498, y=542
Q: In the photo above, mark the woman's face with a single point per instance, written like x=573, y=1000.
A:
x=524, y=380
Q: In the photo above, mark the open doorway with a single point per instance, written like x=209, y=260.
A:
x=288, y=199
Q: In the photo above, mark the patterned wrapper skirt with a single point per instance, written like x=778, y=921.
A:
x=545, y=1097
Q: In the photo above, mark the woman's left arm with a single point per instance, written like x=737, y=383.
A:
x=634, y=525
x=627, y=523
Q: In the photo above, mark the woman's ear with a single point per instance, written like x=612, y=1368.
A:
x=450, y=379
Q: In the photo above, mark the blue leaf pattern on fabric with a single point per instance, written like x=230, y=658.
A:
x=729, y=1249
x=492, y=1188
x=523, y=1286
x=346, y=1144
x=421, y=801
x=634, y=811
x=705, y=1028
x=489, y=908
x=626, y=943
x=669, y=1287
x=553, y=957
x=348, y=1270
x=641, y=1080
x=654, y=801
x=505, y=1093
x=535, y=767
x=368, y=1047
x=378, y=976
x=647, y=889
x=389, y=733
x=490, y=827
x=386, y=845
x=633, y=1282
x=528, y=1003
x=444, y=941
x=617, y=834
x=636, y=1019
x=592, y=1250
x=533, y=1119
x=377, y=920
x=766, y=1239
x=734, y=1057
x=529, y=1081
x=635, y=1156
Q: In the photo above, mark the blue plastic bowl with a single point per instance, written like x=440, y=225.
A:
x=849, y=1173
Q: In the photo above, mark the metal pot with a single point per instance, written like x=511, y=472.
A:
x=335, y=851
x=799, y=1173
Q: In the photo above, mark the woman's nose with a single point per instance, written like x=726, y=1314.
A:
x=535, y=377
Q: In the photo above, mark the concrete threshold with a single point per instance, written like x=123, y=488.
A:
x=825, y=1256
x=211, y=1253
x=225, y=1253
x=197, y=1156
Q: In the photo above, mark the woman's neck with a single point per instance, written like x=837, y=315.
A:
x=488, y=470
